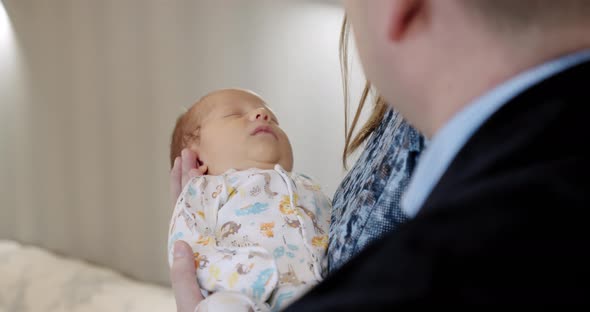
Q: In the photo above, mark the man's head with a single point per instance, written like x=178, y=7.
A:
x=430, y=58
x=232, y=128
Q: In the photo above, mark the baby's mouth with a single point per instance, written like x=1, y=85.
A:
x=264, y=130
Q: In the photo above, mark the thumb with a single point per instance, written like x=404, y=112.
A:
x=184, y=279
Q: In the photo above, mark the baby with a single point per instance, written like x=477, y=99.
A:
x=257, y=230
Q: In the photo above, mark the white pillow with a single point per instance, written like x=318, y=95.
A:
x=32, y=279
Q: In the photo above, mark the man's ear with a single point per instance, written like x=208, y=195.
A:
x=403, y=15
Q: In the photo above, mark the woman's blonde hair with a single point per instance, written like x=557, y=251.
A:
x=351, y=141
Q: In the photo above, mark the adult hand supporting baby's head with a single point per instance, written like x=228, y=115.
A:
x=185, y=168
x=184, y=279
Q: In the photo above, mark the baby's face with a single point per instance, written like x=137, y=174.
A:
x=239, y=131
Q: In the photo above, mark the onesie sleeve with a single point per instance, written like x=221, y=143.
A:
x=249, y=270
x=195, y=213
x=318, y=208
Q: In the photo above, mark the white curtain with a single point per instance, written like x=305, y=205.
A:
x=94, y=88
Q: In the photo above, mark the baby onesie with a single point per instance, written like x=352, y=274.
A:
x=259, y=237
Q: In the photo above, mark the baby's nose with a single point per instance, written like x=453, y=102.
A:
x=259, y=114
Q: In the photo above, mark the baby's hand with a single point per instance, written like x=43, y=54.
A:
x=185, y=168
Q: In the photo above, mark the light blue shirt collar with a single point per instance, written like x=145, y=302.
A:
x=445, y=145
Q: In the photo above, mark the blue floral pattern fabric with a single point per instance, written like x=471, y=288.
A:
x=367, y=204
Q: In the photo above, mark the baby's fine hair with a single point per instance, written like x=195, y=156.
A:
x=184, y=132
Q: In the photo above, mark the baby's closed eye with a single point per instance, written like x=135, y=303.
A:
x=233, y=114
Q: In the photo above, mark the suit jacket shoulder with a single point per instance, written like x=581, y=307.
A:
x=506, y=223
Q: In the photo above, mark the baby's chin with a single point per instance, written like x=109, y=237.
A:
x=268, y=155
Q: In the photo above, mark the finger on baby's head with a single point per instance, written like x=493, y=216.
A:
x=176, y=164
x=189, y=159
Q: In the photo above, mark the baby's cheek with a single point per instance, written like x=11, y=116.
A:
x=286, y=139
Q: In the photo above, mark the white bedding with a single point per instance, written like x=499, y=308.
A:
x=32, y=279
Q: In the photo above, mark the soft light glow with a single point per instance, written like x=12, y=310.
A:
x=8, y=45
x=9, y=63
x=5, y=31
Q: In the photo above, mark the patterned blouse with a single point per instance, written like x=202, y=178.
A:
x=367, y=204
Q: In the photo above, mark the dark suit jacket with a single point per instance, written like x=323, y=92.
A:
x=509, y=221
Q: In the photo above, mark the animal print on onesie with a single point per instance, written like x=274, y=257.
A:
x=259, y=237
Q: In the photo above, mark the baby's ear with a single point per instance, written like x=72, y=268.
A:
x=195, y=149
x=200, y=164
x=201, y=167
x=192, y=140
